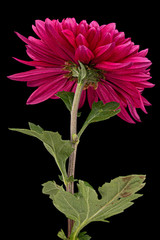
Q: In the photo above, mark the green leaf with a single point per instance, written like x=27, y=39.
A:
x=51, y=188
x=35, y=127
x=85, y=207
x=100, y=112
x=62, y=235
x=58, y=148
x=67, y=98
x=83, y=236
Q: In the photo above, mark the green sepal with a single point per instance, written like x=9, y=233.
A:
x=100, y=112
x=58, y=148
x=82, y=72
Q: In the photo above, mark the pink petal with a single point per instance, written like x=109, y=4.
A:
x=70, y=37
x=132, y=96
x=137, y=77
x=145, y=101
x=144, y=84
x=82, y=28
x=37, y=74
x=93, y=37
x=55, y=39
x=67, y=88
x=109, y=66
x=38, y=46
x=40, y=82
x=92, y=96
x=134, y=50
x=107, y=94
x=108, y=28
x=133, y=111
x=140, y=62
x=105, y=39
x=70, y=24
x=83, y=54
x=143, y=53
x=34, y=63
x=120, y=52
x=94, y=24
x=81, y=40
x=102, y=53
x=47, y=90
x=82, y=99
x=50, y=41
x=39, y=56
x=130, y=93
x=119, y=38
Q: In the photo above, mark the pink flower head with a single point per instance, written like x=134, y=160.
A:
x=119, y=71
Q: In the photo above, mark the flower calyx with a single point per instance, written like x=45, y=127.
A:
x=82, y=73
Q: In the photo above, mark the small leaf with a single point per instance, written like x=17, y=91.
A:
x=85, y=207
x=83, y=236
x=51, y=188
x=71, y=179
x=100, y=112
x=62, y=235
x=35, y=128
x=58, y=148
x=67, y=98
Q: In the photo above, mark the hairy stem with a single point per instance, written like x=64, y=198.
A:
x=74, y=140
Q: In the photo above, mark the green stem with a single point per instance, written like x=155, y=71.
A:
x=73, y=133
x=82, y=130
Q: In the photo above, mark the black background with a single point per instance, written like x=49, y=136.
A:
x=107, y=149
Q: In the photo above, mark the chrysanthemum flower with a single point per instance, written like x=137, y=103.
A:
x=118, y=70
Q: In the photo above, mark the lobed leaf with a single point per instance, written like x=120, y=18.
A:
x=100, y=112
x=83, y=236
x=84, y=207
x=58, y=148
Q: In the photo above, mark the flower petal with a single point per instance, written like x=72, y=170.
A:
x=93, y=37
x=92, y=96
x=120, y=52
x=81, y=40
x=82, y=99
x=109, y=66
x=83, y=54
x=47, y=90
x=67, y=88
x=102, y=53
x=34, y=63
x=65, y=48
x=71, y=24
x=37, y=74
x=70, y=37
x=107, y=94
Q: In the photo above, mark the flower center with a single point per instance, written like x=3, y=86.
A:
x=92, y=78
